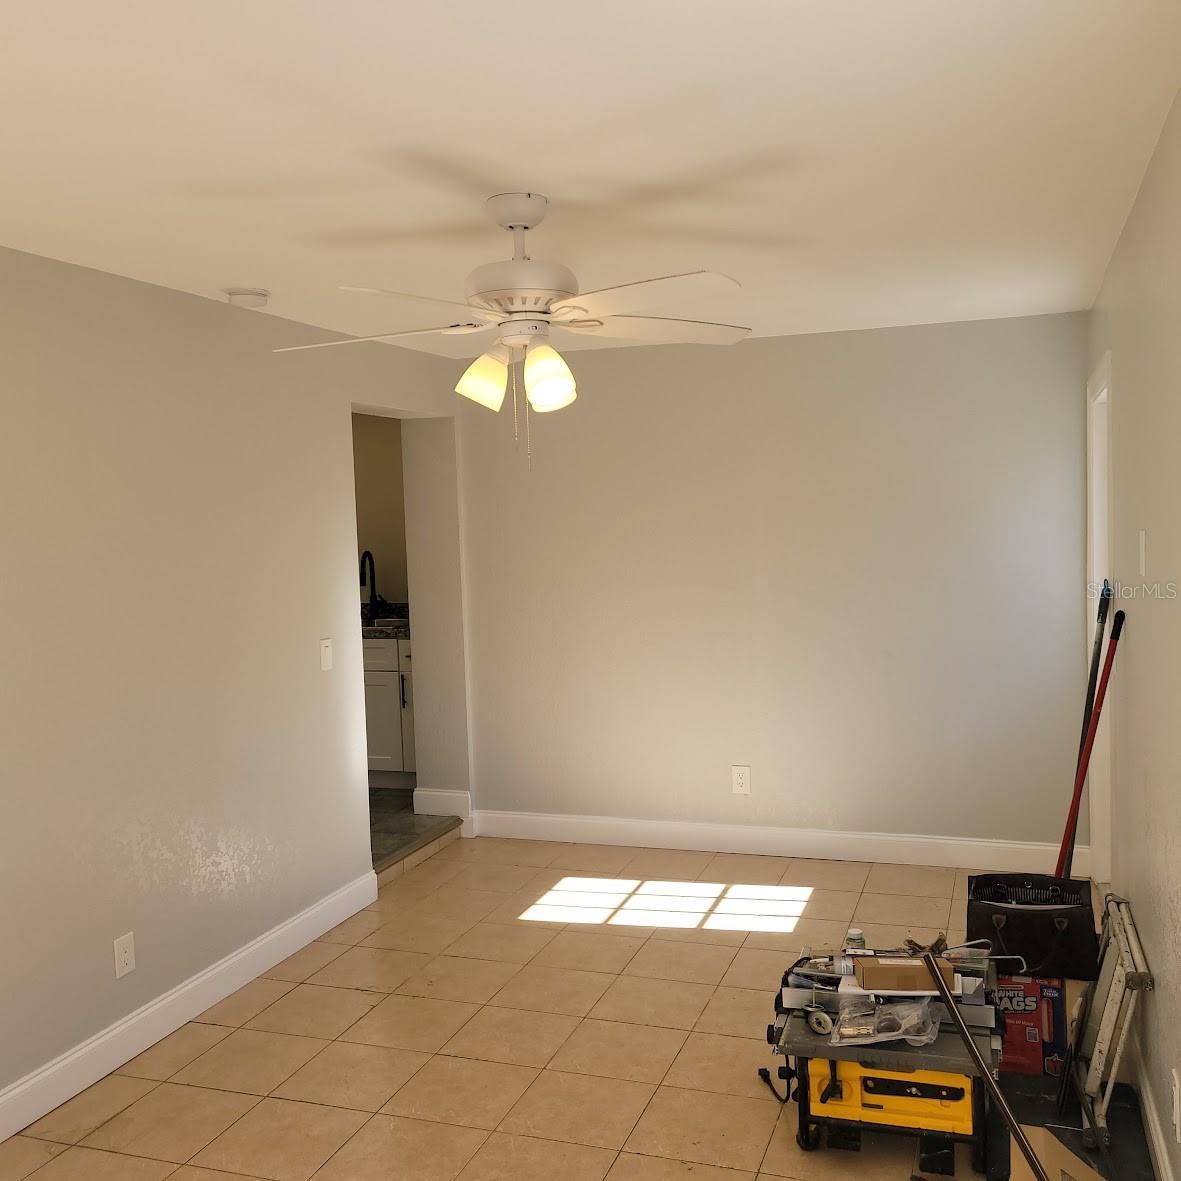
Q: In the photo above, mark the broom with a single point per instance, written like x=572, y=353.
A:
x=1066, y=852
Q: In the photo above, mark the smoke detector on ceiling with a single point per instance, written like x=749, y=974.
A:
x=247, y=297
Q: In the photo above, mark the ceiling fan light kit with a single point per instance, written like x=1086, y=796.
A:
x=549, y=384
x=521, y=299
x=486, y=378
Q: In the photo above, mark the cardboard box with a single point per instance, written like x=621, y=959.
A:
x=1058, y=1161
x=899, y=973
x=1035, y=1024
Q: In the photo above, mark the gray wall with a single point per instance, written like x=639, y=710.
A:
x=381, y=509
x=433, y=528
x=1138, y=318
x=852, y=561
x=178, y=532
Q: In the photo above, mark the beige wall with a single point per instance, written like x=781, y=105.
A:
x=1138, y=318
x=178, y=533
x=381, y=510
x=853, y=562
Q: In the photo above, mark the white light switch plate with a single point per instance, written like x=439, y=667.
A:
x=325, y=656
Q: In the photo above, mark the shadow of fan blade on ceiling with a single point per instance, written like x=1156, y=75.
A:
x=720, y=178
x=725, y=178
x=456, y=231
x=707, y=235
x=466, y=177
x=734, y=180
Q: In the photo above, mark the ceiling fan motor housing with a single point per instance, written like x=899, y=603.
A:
x=521, y=285
x=517, y=211
x=523, y=330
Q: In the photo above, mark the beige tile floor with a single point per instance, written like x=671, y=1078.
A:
x=439, y=1035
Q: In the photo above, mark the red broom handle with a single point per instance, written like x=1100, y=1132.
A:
x=1085, y=758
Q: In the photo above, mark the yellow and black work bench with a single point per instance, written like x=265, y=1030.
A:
x=930, y=1091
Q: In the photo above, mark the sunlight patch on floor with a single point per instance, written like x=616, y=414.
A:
x=633, y=903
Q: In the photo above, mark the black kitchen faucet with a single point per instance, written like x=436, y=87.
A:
x=367, y=558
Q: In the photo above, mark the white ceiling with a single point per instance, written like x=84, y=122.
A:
x=854, y=164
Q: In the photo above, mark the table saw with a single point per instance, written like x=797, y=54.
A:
x=931, y=1091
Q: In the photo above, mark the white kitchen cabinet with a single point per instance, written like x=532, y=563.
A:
x=380, y=655
x=383, y=720
x=389, y=704
x=405, y=664
x=383, y=705
x=407, y=720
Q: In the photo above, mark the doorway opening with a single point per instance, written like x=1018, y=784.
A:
x=1099, y=550
x=396, y=831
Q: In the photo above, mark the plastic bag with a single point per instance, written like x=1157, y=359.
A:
x=863, y=1022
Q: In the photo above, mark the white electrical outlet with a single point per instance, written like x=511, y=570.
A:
x=124, y=955
x=740, y=780
x=325, y=656
x=1176, y=1105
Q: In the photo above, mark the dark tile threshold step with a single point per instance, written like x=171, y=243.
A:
x=427, y=829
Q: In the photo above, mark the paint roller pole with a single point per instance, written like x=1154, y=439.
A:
x=1105, y=596
x=983, y=1069
x=1065, y=853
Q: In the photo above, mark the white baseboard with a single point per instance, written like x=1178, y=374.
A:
x=437, y=801
x=1156, y=1131
x=898, y=848
x=31, y=1097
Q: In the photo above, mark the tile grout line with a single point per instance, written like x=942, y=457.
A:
x=581, y=1021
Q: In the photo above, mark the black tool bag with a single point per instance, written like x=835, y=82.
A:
x=1047, y=920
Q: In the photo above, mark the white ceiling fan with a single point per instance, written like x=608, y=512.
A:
x=522, y=299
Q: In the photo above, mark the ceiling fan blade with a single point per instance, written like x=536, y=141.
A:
x=659, y=330
x=447, y=329
x=647, y=293
x=469, y=310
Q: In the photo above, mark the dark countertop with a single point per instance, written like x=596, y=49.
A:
x=397, y=631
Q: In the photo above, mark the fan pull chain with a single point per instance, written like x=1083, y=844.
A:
x=528, y=438
x=513, y=375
